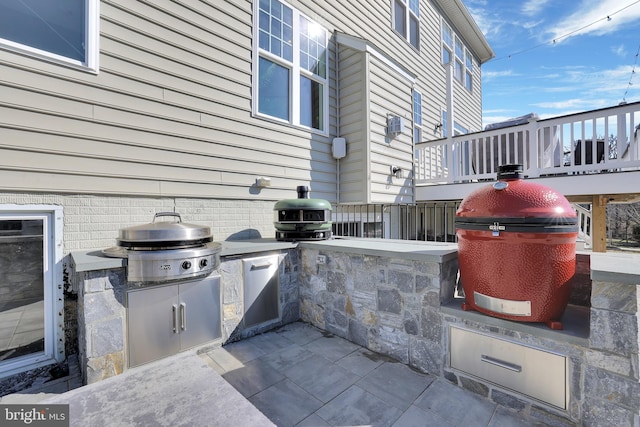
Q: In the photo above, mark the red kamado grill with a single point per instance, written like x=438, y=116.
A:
x=517, y=249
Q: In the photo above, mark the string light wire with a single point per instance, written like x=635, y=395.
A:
x=555, y=40
x=633, y=72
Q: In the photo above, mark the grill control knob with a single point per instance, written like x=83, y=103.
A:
x=204, y=262
x=186, y=265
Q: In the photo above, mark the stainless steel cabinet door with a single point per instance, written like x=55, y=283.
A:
x=260, y=289
x=151, y=316
x=199, y=312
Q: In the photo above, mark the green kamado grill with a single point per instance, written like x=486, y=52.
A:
x=302, y=218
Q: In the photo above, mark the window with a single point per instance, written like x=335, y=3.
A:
x=468, y=81
x=406, y=20
x=31, y=250
x=291, y=76
x=61, y=31
x=453, y=49
x=417, y=116
x=458, y=70
x=447, y=43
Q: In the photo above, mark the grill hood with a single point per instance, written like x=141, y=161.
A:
x=165, y=234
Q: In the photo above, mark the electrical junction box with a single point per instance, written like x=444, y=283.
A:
x=339, y=148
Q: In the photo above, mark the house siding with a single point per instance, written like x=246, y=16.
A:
x=354, y=99
x=390, y=95
x=168, y=115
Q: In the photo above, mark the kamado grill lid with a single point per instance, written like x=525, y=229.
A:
x=164, y=233
x=518, y=205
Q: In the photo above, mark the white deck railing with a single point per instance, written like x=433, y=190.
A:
x=595, y=141
x=584, y=224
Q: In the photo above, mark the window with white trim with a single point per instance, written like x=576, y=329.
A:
x=406, y=20
x=453, y=49
x=61, y=31
x=417, y=116
x=290, y=75
x=468, y=81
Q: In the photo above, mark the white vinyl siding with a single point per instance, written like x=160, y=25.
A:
x=373, y=88
x=171, y=113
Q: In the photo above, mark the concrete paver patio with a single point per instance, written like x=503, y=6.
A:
x=301, y=376
x=296, y=375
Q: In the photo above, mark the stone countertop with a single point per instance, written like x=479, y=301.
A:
x=575, y=321
x=616, y=267
x=402, y=249
x=94, y=259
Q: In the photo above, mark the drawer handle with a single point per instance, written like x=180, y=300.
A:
x=501, y=363
x=261, y=266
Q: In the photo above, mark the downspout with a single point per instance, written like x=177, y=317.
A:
x=337, y=75
x=450, y=120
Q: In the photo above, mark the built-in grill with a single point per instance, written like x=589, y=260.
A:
x=172, y=297
x=302, y=218
x=163, y=251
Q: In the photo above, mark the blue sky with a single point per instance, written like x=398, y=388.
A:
x=589, y=65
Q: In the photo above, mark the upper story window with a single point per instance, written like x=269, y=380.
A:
x=61, y=31
x=406, y=20
x=453, y=49
x=468, y=81
x=417, y=116
x=290, y=76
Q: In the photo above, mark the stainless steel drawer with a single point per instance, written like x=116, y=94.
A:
x=261, y=290
x=536, y=373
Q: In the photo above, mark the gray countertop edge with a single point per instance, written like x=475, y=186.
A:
x=607, y=267
x=616, y=267
x=399, y=249
x=575, y=321
x=94, y=259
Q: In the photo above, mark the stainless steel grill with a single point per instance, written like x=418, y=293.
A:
x=164, y=251
x=173, y=299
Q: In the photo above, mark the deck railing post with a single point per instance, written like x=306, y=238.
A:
x=535, y=151
x=451, y=172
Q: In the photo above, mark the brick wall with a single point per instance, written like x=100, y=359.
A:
x=93, y=221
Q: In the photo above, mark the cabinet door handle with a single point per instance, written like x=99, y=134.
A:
x=174, y=309
x=183, y=316
x=501, y=363
x=261, y=266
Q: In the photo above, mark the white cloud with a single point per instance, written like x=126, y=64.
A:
x=619, y=50
x=487, y=22
x=590, y=17
x=532, y=24
x=533, y=7
x=576, y=103
x=489, y=75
